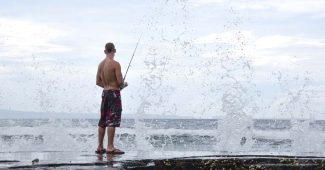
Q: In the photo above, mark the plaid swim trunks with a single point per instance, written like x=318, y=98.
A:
x=111, y=109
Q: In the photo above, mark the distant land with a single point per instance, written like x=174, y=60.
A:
x=12, y=114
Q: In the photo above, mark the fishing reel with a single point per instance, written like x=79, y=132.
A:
x=125, y=84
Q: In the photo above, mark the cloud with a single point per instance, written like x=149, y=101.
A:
x=316, y=7
x=264, y=50
x=293, y=6
x=228, y=37
x=285, y=61
x=4, y=70
x=281, y=41
x=206, y=2
x=20, y=37
x=261, y=42
x=267, y=50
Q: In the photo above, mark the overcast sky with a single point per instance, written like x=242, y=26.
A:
x=202, y=58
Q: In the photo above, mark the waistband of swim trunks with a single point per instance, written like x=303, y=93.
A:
x=113, y=90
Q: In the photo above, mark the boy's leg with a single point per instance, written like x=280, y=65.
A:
x=110, y=137
x=101, y=134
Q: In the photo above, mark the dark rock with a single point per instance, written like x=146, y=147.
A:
x=235, y=162
x=35, y=161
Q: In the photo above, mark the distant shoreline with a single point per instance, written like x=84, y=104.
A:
x=12, y=114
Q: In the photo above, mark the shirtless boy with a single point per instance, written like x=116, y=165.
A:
x=110, y=78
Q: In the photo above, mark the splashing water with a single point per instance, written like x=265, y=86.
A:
x=182, y=77
x=227, y=74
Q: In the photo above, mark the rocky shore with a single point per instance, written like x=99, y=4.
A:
x=250, y=162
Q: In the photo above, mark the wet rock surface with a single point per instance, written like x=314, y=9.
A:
x=235, y=163
x=207, y=162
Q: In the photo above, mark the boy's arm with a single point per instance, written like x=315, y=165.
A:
x=99, y=81
x=118, y=74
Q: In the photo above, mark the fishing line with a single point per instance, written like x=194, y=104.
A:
x=132, y=57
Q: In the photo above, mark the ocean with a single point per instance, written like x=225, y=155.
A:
x=62, y=140
x=267, y=135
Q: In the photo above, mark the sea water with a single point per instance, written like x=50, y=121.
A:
x=268, y=136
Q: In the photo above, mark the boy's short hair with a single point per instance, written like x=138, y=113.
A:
x=109, y=47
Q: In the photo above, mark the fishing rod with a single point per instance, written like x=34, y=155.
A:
x=132, y=57
x=125, y=83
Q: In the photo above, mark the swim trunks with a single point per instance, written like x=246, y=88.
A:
x=111, y=109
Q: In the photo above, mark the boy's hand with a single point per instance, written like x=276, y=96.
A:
x=125, y=84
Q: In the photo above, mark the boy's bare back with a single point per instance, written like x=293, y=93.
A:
x=109, y=74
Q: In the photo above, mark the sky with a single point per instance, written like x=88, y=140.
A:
x=199, y=59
